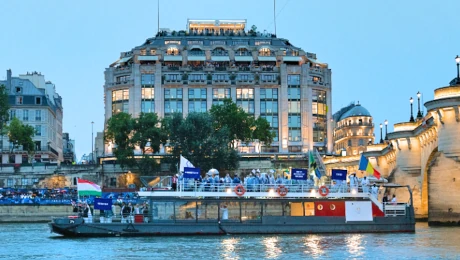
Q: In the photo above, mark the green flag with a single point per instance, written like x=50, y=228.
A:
x=311, y=161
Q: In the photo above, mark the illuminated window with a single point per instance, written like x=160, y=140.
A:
x=264, y=52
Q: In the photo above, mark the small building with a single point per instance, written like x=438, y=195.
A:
x=35, y=102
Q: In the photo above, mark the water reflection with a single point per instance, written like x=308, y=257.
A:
x=272, y=249
x=355, y=244
x=229, y=248
x=313, y=244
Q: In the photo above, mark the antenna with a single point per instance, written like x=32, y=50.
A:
x=158, y=15
x=274, y=14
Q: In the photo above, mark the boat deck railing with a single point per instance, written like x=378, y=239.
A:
x=293, y=190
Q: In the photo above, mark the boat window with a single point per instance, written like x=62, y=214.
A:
x=250, y=211
x=295, y=208
x=309, y=208
x=163, y=211
x=273, y=209
x=185, y=210
x=207, y=210
x=230, y=211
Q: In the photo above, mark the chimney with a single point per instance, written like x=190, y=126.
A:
x=8, y=80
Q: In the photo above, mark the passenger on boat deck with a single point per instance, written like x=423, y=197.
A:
x=236, y=179
x=279, y=180
x=353, y=180
x=385, y=198
x=365, y=184
x=137, y=209
x=394, y=200
x=257, y=182
x=375, y=190
x=216, y=182
x=174, y=182
x=250, y=182
x=228, y=180
x=271, y=179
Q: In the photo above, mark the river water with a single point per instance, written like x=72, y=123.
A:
x=34, y=241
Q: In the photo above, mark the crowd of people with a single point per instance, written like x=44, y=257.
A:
x=256, y=181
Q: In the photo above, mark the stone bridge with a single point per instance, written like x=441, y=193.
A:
x=425, y=155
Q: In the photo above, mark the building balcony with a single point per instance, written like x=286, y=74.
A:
x=316, y=71
x=245, y=81
x=269, y=82
x=221, y=82
x=318, y=83
x=122, y=70
x=197, y=82
x=174, y=81
x=121, y=83
x=210, y=68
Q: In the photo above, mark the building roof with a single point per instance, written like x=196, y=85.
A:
x=357, y=110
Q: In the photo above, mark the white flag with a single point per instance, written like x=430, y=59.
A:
x=184, y=163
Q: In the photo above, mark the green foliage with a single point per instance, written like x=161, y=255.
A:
x=119, y=129
x=144, y=132
x=196, y=138
x=262, y=131
x=4, y=106
x=21, y=135
x=235, y=119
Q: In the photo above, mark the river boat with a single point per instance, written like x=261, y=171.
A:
x=265, y=209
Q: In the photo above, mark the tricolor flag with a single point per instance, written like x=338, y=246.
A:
x=87, y=188
x=365, y=165
x=184, y=163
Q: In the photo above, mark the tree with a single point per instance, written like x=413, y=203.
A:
x=21, y=135
x=144, y=132
x=4, y=107
x=234, y=118
x=197, y=139
x=262, y=131
x=148, y=136
x=119, y=129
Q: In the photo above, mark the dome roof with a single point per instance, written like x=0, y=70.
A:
x=357, y=110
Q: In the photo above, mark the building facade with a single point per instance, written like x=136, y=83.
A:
x=68, y=149
x=354, y=130
x=191, y=70
x=35, y=102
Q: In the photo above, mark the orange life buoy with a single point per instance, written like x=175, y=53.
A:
x=323, y=191
x=282, y=191
x=240, y=190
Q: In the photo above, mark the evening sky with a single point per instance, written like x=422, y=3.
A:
x=380, y=52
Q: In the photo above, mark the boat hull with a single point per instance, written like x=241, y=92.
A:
x=267, y=225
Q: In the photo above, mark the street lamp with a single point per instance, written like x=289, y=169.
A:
x=92, y=140
x=419, y=113
x=381, y=127
x=386, y=130
x=457, y=59
x=411, y=110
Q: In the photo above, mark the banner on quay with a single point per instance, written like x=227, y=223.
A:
x=339, y=174
x=298, y=174
x=102, y=204
x=192, y=173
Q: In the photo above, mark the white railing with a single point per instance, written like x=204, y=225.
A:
x=394, y=209
x=294, y=189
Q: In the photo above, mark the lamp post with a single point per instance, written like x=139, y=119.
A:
x=381, y=139
x=419, y=113
x=457, y=59
x=411, y=110
x=386, y=130
x=92, y=140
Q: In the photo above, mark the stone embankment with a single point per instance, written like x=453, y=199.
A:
x=32, y=213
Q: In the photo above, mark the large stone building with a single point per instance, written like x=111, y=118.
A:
x=190, y=70
x=35, y=102
x=353, y=131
